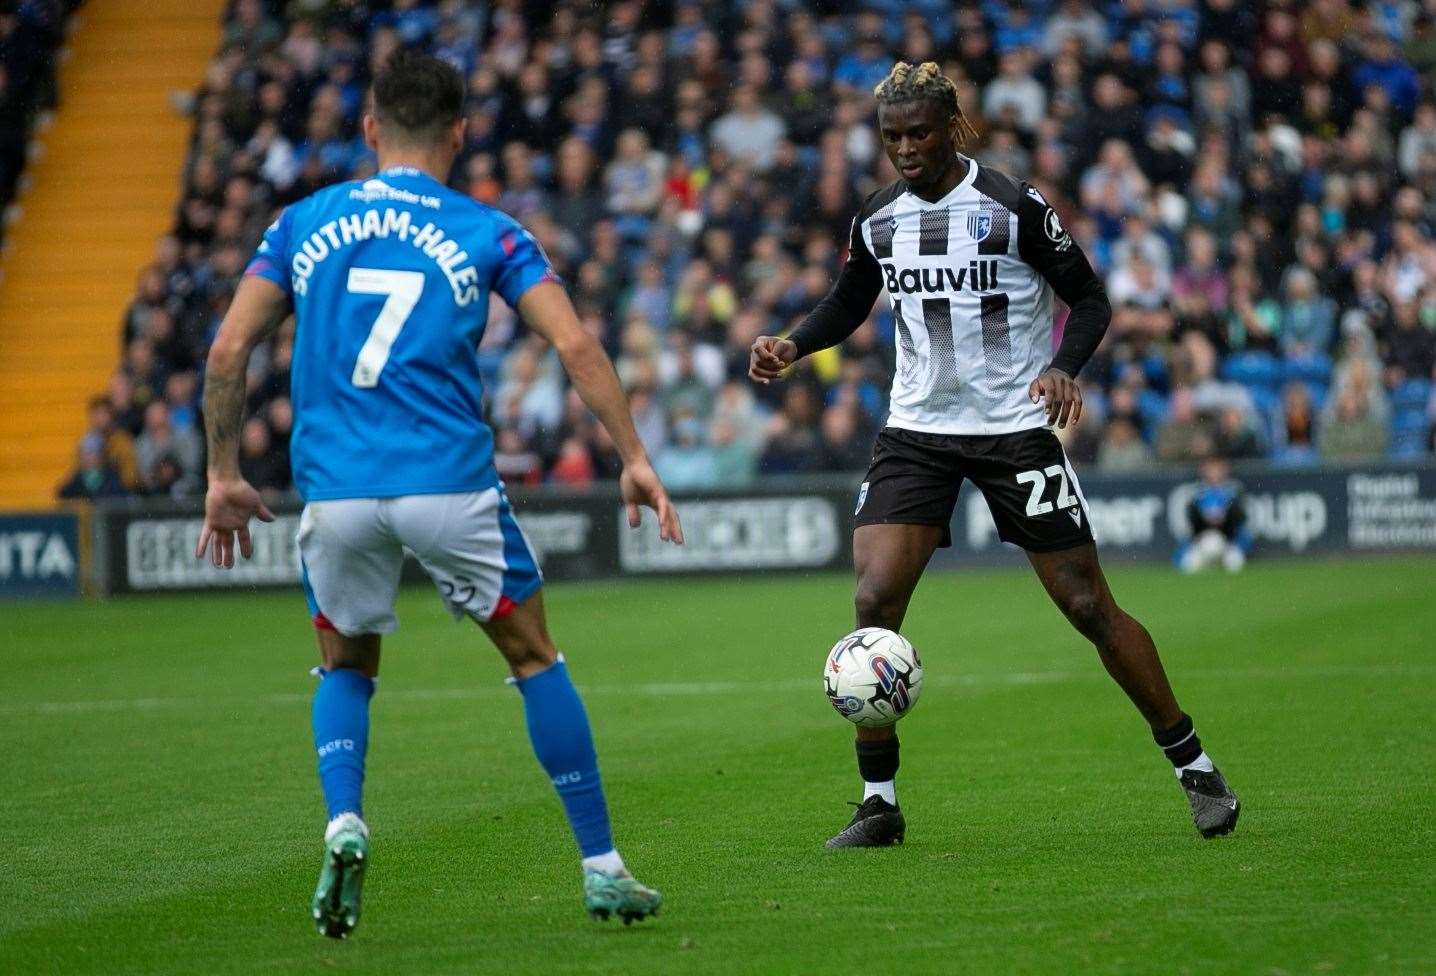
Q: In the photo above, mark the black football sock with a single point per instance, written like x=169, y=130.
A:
x=1181, y=744
x=878, y=766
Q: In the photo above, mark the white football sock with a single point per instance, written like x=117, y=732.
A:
x=343, y=821
x=887, y=790
x=609, y=863
x=1201, y=763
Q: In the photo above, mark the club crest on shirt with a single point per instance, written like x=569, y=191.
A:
x=979, y=224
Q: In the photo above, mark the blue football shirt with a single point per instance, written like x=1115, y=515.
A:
x=390, y=280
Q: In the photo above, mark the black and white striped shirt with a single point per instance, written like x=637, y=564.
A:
x=971, y=278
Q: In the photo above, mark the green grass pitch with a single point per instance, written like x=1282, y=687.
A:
x=159, y=811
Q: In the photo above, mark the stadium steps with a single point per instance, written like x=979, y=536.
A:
x=102, y=186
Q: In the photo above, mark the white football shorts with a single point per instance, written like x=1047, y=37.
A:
x=352, y=550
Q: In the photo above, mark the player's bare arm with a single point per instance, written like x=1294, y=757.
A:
x=230, y=501
x=545, y=308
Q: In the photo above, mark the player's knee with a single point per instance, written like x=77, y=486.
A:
x=338, y=652
x=1089, y=611
x=876, y=606
x=529, y=656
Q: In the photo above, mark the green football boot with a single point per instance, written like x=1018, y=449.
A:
x=619, y=894
x=341, y=879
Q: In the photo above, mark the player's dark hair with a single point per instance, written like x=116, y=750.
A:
x=926, y=82
x=417, y=96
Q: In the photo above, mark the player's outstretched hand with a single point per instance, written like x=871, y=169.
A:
x=1063, y=396
x=768, y=358
x=639, y=485
x=228, y=507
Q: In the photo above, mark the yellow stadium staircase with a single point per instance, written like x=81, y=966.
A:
x=101, y=191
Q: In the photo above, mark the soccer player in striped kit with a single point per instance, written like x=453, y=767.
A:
x=971, y=258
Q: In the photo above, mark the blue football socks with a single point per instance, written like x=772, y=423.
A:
x=558, y=728
x=341, y=736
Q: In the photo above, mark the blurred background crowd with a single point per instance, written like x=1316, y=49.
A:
x=31, y=32
x=1256, y=182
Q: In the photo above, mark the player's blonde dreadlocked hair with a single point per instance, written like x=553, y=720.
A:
x=905, y=83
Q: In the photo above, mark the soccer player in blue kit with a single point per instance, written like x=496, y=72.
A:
x=389, y=282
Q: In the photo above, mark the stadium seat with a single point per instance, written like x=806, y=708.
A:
x=1154, y=369
x=1294, y=457
x=1412, y=394
x=1266, y=405
x=1410, y=431
x=1406, y=448
x=1153, y=407
x=1265, y=400
x=1409, y=421
x=1308, y=369
x=1252, y=368
x=1409, y=436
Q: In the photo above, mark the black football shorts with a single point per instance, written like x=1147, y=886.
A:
x=1029, y=486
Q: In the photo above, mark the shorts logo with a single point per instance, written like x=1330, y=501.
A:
x=979, y=224
x=862, y=497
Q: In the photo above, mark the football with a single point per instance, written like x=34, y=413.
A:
x=872, y=677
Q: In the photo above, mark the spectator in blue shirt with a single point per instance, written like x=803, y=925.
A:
x=1384, y=67
x=864, y=67
x=1017, y=28
x=415, y=23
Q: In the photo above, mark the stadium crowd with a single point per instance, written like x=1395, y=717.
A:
x=31, y=32
x=1256, y=183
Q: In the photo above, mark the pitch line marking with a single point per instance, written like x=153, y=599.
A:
x=699, y=689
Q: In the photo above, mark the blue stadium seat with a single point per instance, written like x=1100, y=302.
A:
x=1294, y=457
x=1153, y=407
x=1409, y=421
x=1252, y=368
x=1407, y=446
x=1309, y=369
x=1154, y=369
x=1411, y=395
x=1266, y=403
x=1410, y=431
x=1265, y=400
